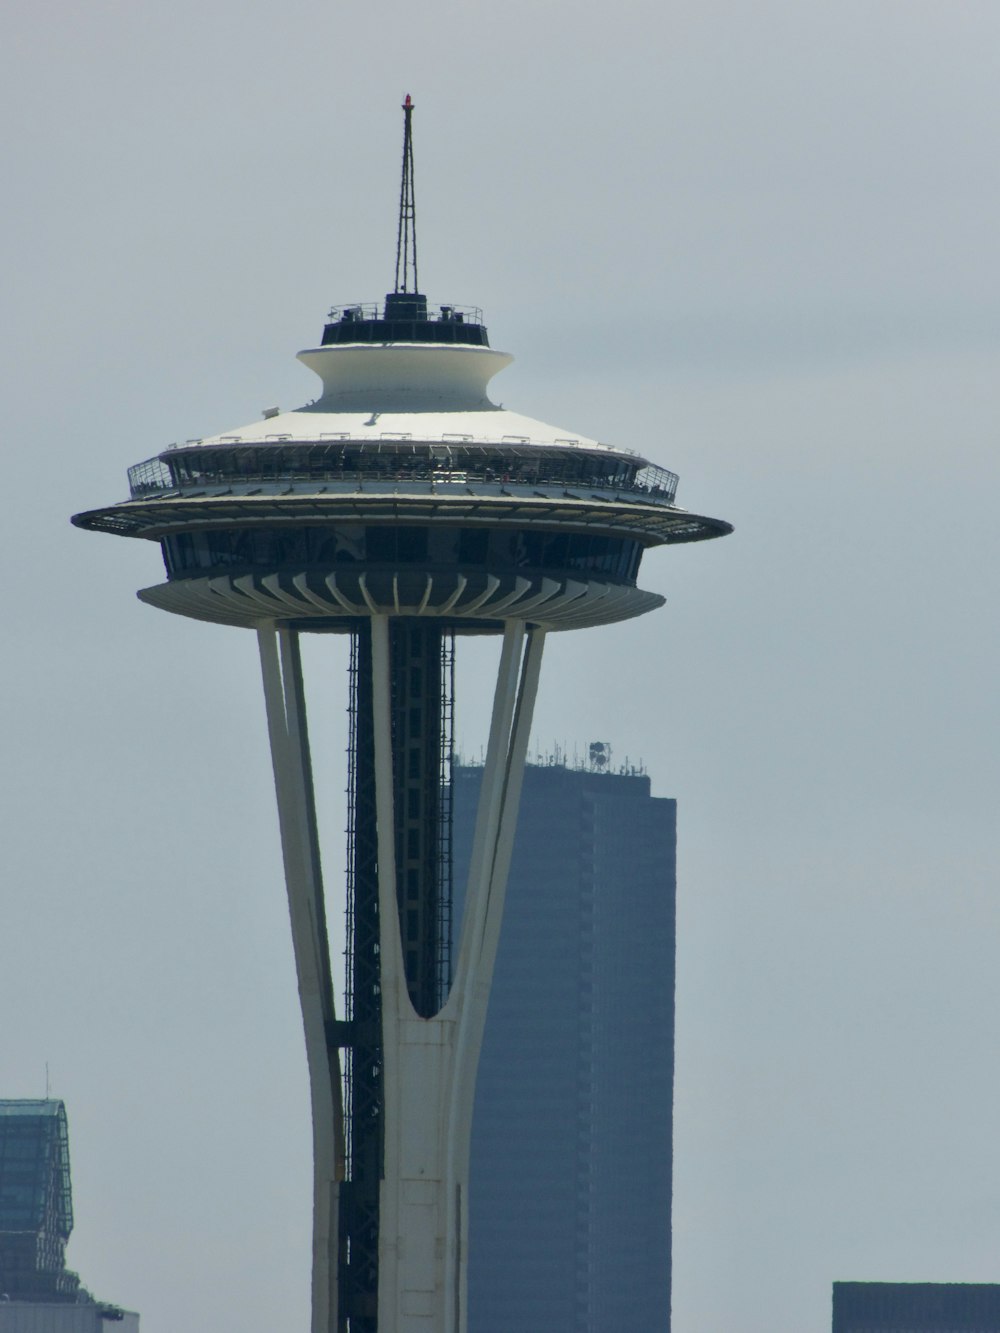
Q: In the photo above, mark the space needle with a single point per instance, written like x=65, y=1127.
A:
x=405, y=509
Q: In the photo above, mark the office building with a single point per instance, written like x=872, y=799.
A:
x=570, y=1186
x=38, y=1293
x=916, y=1307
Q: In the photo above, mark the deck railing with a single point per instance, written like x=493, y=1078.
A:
x=156, y=477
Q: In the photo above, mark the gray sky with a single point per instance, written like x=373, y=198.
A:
x=757, y=242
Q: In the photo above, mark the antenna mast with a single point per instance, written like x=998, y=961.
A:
x=406, y=236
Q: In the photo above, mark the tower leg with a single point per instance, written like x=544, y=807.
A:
x=493, y=843
x=430, y=1063
x=284, y=699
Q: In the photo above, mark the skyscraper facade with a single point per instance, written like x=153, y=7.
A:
x=36, y=1202
x=570, y=1185
x=916, y=1307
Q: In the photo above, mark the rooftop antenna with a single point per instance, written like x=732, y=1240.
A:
x=406, y=236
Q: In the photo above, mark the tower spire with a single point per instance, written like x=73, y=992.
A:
x=406, y=235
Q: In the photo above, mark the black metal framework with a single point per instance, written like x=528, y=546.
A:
x=366, y=311
x=363, y=1102
x=422, y=719
x=406, y=234
x=415, y=672
x=405, y=319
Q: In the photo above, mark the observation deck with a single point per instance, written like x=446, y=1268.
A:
x=404, y=490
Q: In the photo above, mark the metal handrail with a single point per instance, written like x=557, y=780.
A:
x=153, y=478
x=442, y=312
x=449, y=439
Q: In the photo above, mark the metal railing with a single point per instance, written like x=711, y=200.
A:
x=151, y=477
x=658, y=482
x=369, y=310
x=154, y=477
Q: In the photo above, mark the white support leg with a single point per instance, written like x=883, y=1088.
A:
x=488, y=880
x=286, y=721
x=491, y=795
x=429, y=1065
x=514, y=780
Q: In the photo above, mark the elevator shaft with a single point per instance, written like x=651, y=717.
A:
x=421, y=692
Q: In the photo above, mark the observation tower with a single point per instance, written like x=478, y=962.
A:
x=404, y=509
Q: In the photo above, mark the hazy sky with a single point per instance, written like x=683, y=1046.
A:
x=756, y=242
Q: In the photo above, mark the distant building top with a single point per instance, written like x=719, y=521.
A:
x=38, y=1293
x=593, y=757
x=916, y=1307
x=32, y=1106
x=35, y=1190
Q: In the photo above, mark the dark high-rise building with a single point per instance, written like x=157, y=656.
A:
x=36, y=1202
x=570, y=1184
x=38, y=1293
x=916, y=1307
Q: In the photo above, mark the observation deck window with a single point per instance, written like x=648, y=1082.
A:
x=501, y=550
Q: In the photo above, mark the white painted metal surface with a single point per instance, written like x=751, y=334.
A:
x=286, y=722
x=427, y=375
x=420, y=391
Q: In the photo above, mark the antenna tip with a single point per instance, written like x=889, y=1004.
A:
x=408, y=104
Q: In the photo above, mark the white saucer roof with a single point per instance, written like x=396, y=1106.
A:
x=428, y=392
